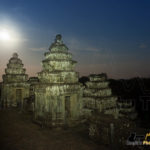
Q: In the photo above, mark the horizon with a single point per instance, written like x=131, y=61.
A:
x=111, y=37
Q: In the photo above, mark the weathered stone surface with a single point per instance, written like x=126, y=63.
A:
x=29, y=102
x=58, y=94
x=14, y=86
x=98, y=96
x=126, y=109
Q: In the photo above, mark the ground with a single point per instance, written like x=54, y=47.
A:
x=18, y=132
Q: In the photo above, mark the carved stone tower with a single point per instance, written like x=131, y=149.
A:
x=98, y=96
x=14, y=86
x=57, y=95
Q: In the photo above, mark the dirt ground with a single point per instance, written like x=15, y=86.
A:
x=18, y=132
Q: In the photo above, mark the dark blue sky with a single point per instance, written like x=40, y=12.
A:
x=111, y=36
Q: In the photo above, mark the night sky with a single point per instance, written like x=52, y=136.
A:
x=111, y=36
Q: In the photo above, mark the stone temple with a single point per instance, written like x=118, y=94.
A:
x=55, y=96
x=58, y=93
x=97, y=96
x=14, y=86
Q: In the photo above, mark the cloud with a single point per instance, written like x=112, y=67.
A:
x=80, y=46
x=38, y=49
x=142, y=46
x=93, y=49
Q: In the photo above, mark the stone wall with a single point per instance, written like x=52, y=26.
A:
x=126, y=109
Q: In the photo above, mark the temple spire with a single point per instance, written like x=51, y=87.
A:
x=15, y=55
x=58, y=39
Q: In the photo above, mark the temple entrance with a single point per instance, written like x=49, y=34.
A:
x=18, y=97
x=67, y=107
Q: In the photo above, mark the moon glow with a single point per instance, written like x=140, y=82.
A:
x=4, y=35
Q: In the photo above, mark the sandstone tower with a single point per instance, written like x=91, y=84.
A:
x=98, y=96
x=57, y=95
x=14, y=86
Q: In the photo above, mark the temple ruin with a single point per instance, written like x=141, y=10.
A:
x=98, y=96
x=56, y=97
x=58, y=93
x=14, y=87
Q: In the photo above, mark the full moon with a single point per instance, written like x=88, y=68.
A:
x=4, y=35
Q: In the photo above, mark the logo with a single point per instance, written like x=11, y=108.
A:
x=147, y=139
x=135, y=139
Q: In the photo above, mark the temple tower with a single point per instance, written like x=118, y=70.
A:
x=58, y=93
x=14, y=86
x=98, y=96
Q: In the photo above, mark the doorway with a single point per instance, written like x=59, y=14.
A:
x=67, y=107
x=18, y=97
